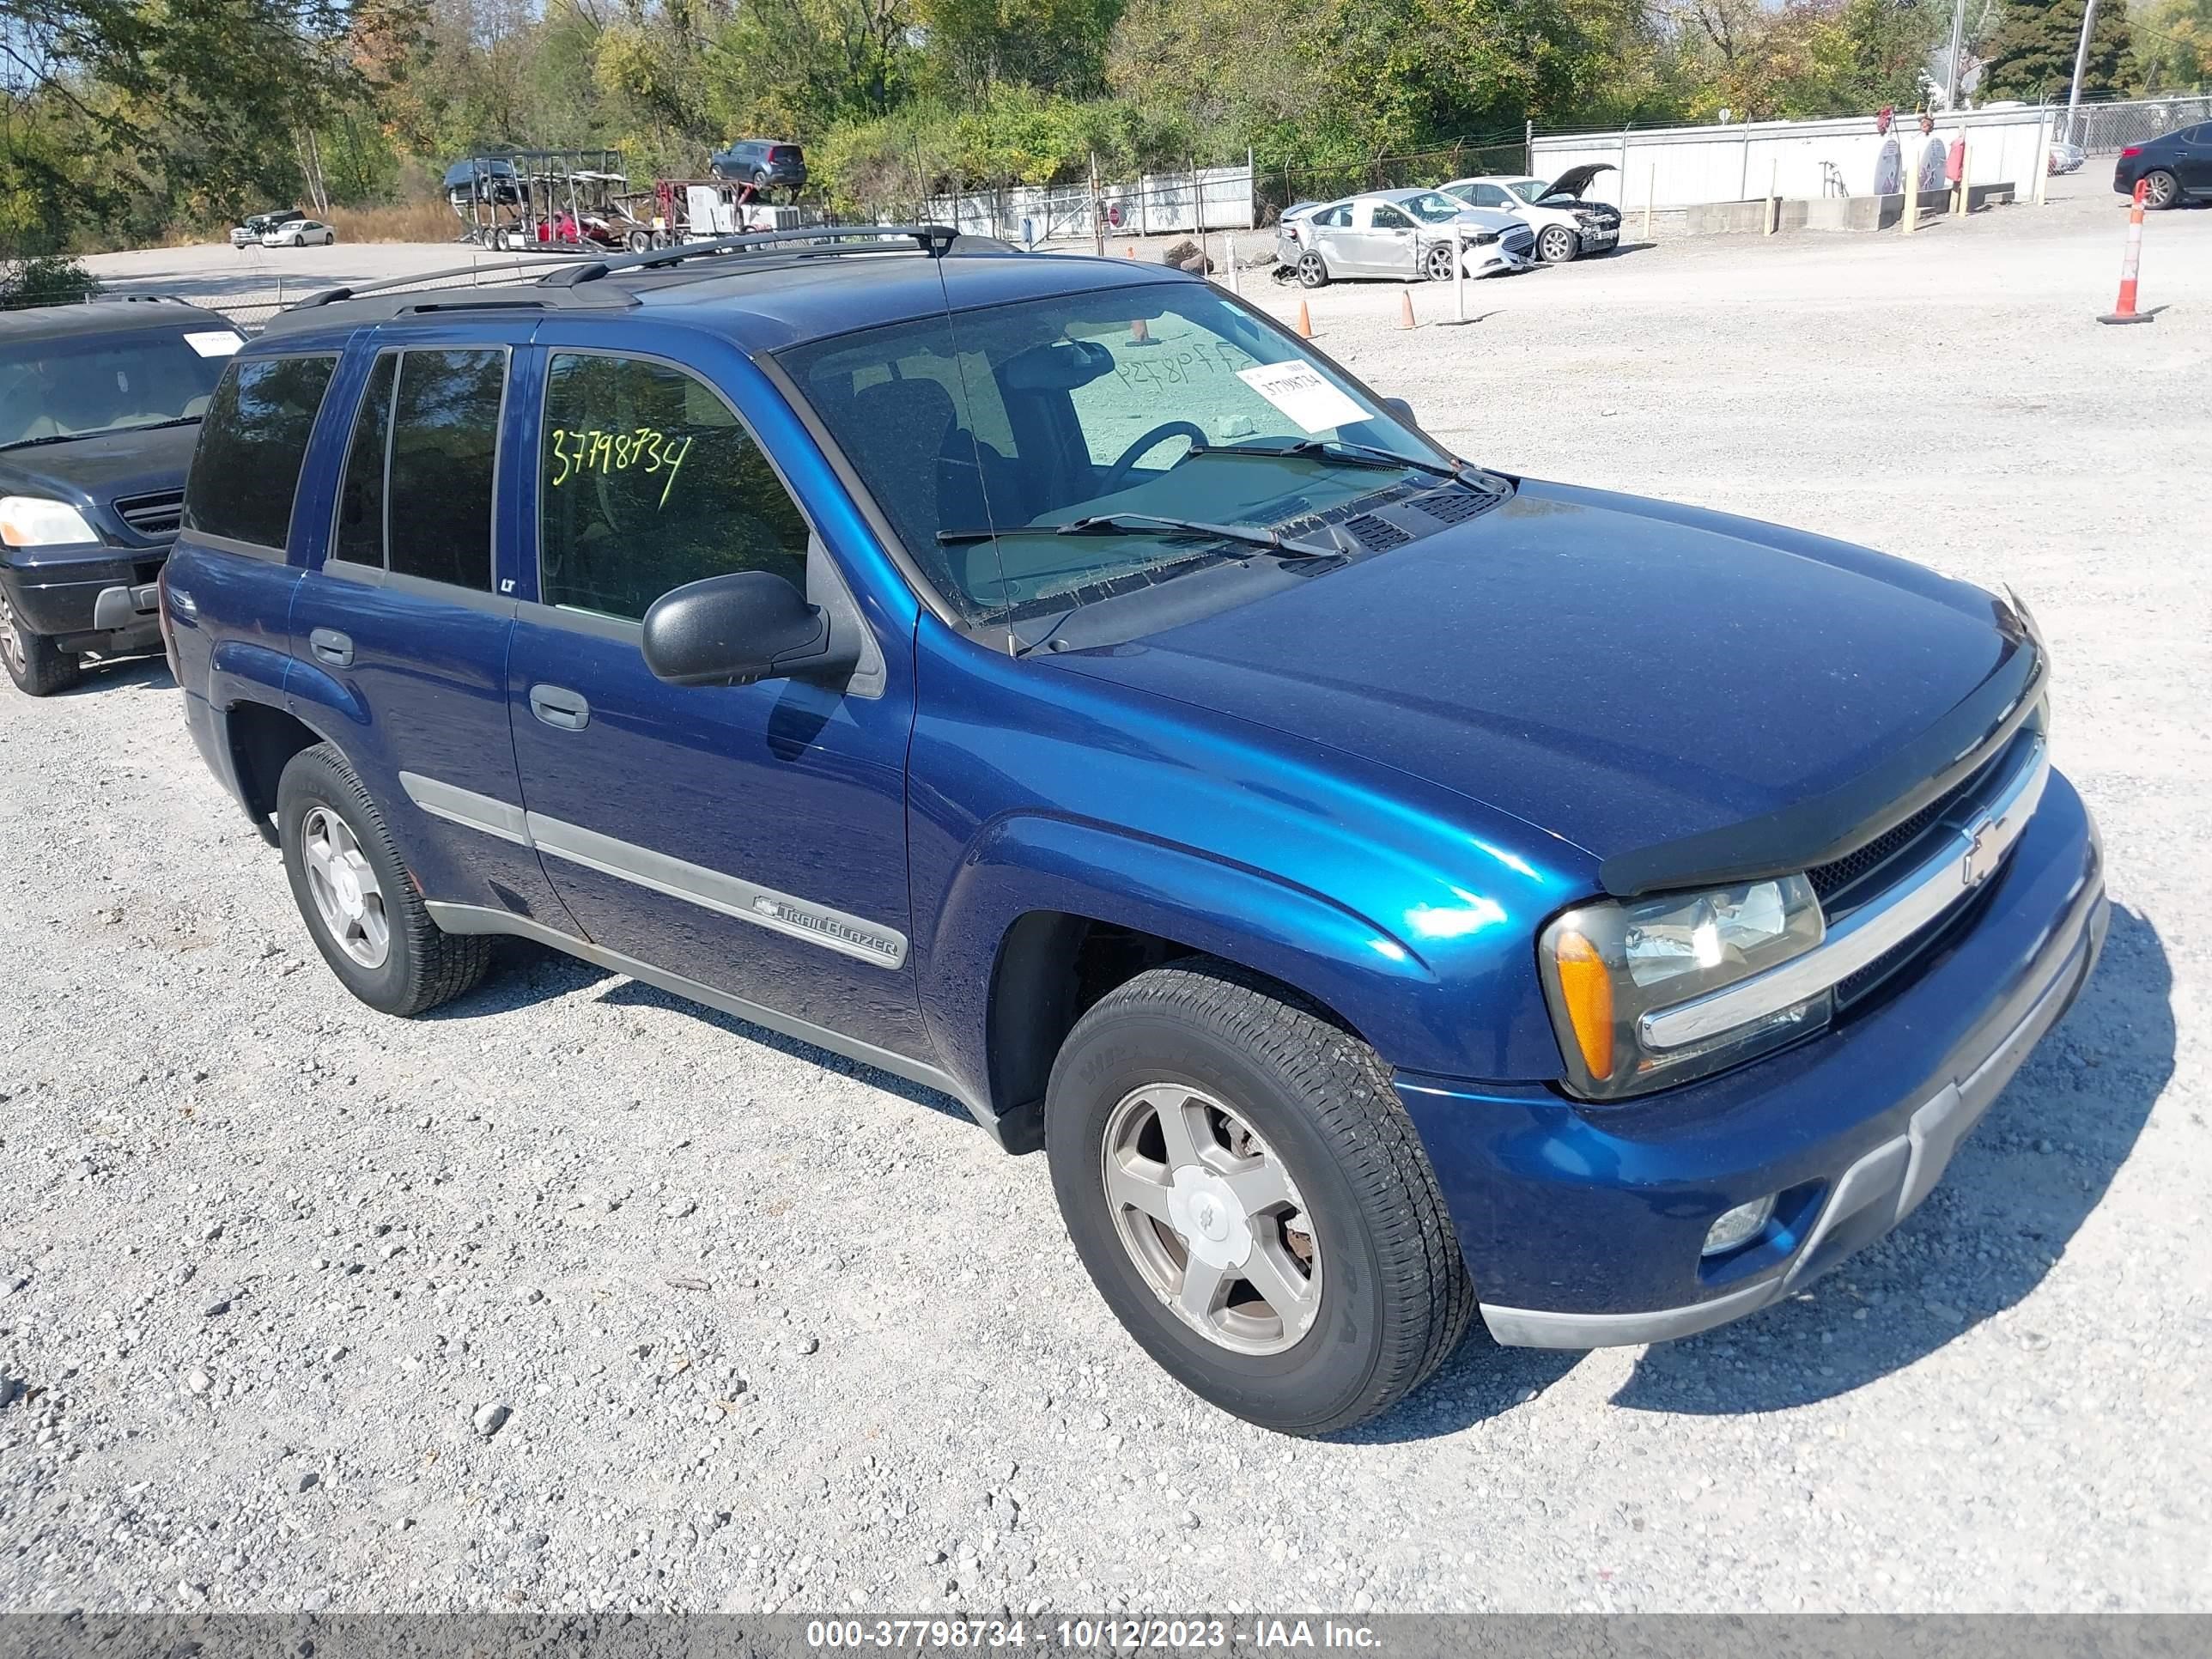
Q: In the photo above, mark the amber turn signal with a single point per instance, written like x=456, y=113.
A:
x=1586, y=987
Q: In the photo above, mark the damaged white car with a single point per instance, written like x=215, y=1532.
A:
x=1566, y=225
x=1407, y=235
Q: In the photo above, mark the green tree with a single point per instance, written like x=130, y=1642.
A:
x=2031, y=56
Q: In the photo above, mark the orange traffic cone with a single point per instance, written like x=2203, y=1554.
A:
x=2125, y=311
x=1405, y=308
x=1305, y=322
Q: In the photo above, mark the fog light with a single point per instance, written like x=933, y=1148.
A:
x=1737, y=1225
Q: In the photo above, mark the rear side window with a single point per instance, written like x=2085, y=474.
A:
x=646, y=482
x=245, y=470
x=417, y=494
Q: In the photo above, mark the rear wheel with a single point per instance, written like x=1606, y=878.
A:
x=2161, y=189
x=1313, y=271
x=356, y=896
x=1250, y=1197
x=38, y=666
x=1555, y=245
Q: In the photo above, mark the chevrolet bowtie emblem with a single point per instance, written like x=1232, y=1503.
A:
x=1982, y=852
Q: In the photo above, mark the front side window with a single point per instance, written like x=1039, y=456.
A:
x=1028, y=415
x=245, y=470
x=1433, y=207
x=1389, y=218
x=647, y=481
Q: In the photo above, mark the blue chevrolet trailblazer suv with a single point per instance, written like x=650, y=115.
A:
x=1390, y=890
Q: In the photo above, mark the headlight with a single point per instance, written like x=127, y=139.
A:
x=1482, y=239
x=1606, y=965
x=34, y=521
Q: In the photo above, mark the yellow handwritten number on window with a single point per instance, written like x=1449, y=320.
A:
x=646, y=447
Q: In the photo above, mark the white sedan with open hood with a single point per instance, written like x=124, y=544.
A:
x=1566, y=225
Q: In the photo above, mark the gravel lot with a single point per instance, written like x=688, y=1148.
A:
x=759, y=1331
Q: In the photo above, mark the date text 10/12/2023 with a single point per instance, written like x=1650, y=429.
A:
x=1082, y=1634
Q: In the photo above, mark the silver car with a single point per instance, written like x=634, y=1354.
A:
x=1407, y=235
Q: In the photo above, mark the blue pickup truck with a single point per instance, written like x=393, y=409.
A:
x=1390, y=891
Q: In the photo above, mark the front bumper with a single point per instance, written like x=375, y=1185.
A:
x=1583, y=1226
x=94, y=598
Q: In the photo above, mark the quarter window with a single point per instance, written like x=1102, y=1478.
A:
x=246, y=468
x=646, y=482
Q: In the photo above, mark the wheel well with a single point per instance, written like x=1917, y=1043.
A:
x=261, y=740
x=1053, y=966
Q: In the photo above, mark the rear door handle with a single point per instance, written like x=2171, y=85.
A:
x=331, y=647
x=558, y=706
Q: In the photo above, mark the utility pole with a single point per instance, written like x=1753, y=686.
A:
x=2081, y=65
x=1958, y=45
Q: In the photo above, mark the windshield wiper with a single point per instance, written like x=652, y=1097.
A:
x=1350, y=454
x=100, y=432
x=1145, y=524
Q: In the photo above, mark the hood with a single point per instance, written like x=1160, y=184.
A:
x=1490, y=219
x=1620, y=672
x=1575, y=181
x=94, y=472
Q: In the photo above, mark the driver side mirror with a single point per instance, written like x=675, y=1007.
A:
x=1402, y=409
x=735, y=629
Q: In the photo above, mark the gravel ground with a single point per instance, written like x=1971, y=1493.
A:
x=574, y=1295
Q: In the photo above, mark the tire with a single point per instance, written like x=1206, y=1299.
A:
x=1557, y=245
x=640, y=241
x=1313, y=270
x=1378, y=1294
x=2161, y=189
x=38, y=666
x=420, y=965
x=760, y=182
x=1436, y=263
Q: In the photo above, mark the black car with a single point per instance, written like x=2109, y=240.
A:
x=99, y=407
x=2173, y=169
x=765, y=163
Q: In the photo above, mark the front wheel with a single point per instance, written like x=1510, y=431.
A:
x=39, y=667
x=1436, y=265
x=1246, y=1191
x=2161, y=189
x=1313, y=270
x=357, y=897
x=1557, y=244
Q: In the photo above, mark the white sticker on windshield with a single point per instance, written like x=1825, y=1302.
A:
x=214, y=342
x=1298, y=389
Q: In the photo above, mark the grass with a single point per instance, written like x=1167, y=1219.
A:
x=406, y=221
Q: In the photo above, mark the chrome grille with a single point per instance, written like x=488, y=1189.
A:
x=157, y=514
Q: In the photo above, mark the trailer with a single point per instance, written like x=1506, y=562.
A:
x=693, y=210
x=547, y=199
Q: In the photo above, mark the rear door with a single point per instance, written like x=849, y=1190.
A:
x=399, y=638
x=749, y=838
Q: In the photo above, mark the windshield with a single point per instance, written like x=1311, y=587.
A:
x=69, y=388
x=1528, y=190
x=1142, y=400
x=1433, y=207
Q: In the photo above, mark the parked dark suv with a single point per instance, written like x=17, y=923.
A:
x=1392, y=892
x=765, y=163
x=2173, y=169
x=99, y=404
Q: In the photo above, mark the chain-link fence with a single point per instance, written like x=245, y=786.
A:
x=1281, y=187
x=2103, y=129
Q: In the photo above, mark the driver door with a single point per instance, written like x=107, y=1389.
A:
x=1386, y=239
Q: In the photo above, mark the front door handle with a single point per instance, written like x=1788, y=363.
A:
x=558, y=706
x=331, y=647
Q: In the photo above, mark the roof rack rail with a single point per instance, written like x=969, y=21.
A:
x=936, y=241
x=568, y=271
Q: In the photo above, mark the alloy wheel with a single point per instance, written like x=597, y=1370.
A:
x=348, y=895
x=1558, y=245
x=11, y=640
x=1436, y=264
x=2159, y=190
x=1211, y=1219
